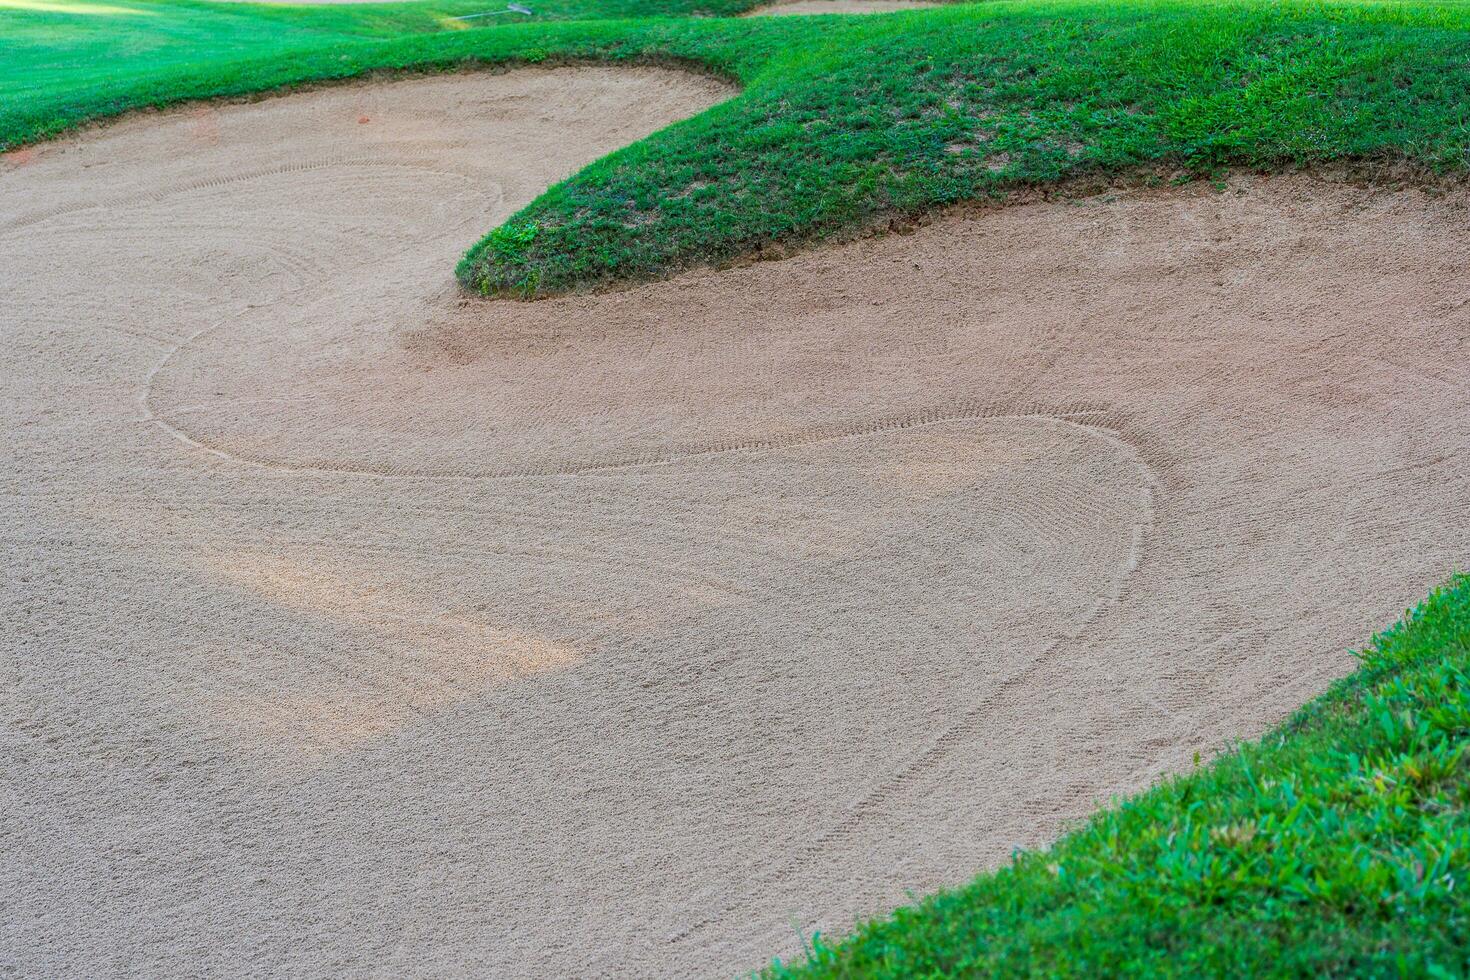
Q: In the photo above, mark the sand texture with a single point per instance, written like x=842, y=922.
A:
x=354, y=627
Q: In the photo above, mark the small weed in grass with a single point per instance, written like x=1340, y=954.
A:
x=508, y=245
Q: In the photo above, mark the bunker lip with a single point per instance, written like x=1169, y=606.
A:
x=1378, y=174
x=391, y=628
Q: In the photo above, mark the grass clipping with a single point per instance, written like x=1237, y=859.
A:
x=1338, y=845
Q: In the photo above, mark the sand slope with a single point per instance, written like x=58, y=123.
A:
x=357, y=628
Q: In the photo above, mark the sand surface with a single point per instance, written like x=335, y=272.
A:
x=794, y=8
x=356, y=628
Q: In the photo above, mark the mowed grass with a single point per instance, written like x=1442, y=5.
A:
x=858, y=122
x=842, y=122
x=1337, y=846
x=66, y=61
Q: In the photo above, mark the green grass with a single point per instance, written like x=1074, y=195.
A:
x=65, y=61
x=841, y=122
x=1338, y=845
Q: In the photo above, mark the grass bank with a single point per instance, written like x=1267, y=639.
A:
x=842, y=121
x=1338, y=845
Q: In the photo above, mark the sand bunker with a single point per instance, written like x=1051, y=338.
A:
x=354, y=627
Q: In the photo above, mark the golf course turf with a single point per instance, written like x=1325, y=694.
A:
x=1338, y=843
x=842, y=122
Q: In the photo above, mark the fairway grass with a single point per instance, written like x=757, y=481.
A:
x=843, y=122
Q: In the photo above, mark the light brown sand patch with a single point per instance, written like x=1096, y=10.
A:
x=358, y=629
x=446, y=653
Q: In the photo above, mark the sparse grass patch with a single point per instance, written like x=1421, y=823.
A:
x=1338, y=845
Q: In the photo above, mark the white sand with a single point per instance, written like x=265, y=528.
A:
x=354, y=628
